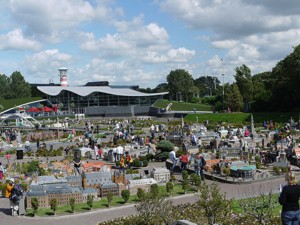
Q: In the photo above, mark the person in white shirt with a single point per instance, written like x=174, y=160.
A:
x=27, y=146
x=115, y=153
x=120, y=152
x=173, y=158
x=96, y=151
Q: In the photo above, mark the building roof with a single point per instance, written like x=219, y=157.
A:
x=240, y=165
x=87, y=90
x=109, y=185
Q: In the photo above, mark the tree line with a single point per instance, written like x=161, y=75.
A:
x=275, y=90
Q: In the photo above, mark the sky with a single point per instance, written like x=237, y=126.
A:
x=139, y=42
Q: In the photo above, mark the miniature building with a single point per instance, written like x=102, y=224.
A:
x=161, y=175
x=74, y=180
x=45, y=192
x=109, y=187
x=89, y=191
x=230, y=153
x=119, y=178
x=241, y=169
x=141, y=183
x=93, y=166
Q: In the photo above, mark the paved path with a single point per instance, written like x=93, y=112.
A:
x=93, y=217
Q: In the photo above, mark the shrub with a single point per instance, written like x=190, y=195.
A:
x=169, y=187
x=165, y=146
x=90, y=200
x=162, y=156
x=136, y=163
x=140, y=193
x=109, y=198
x=125, y=195
x=34, y=205
x=72, y=204
x=149, y=156
x=53, y=204
x=276, y=170
x=145, y=163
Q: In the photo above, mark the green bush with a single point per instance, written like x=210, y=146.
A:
x=276, y=170
x=161, y=156
x=136, y=163
x=149, y=156
x=145, y=163
x=165, y=146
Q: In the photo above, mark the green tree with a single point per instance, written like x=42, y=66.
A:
x=141, y=193
x=72, y=204
x=286, y=75
x=234, y=99
x=169, y=187
x=243, y=79
x=53, y=205
x=125, y=195
x=32, y=166
x=18, y=87
x=154, y=191
x=4, y=87
x=185, y=185
x=109, y=198
x=90, y=201
x=207, y=85
x=155, y=210
x=180, y=83
x=261, y=208
x=196, y=180
x=34, y=205
x=165, y=146
x=215, y=205
x=163, y=87
x=185, y=175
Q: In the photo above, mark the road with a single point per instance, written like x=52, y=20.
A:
x=93, y=217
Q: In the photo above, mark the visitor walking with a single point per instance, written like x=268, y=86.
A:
x=199, y=163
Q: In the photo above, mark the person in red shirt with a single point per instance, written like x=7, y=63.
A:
x=184, y=159
x=99, y=152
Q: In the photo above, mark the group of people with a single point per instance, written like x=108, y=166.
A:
x=125, y=162
x=184, y=159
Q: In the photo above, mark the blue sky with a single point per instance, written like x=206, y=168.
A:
x=140, y=41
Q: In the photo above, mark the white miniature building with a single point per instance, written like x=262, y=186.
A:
x=145, y=184
x=161, y=175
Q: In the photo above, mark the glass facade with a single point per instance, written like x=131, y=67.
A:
x=72, y=100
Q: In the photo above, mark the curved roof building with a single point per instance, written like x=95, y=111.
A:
x=101, y=99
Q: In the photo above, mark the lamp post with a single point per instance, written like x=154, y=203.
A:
x=223, y=74
x=179, y=92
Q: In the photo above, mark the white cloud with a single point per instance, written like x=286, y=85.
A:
x=53, y=20
x=40, y=66
x=15, y=40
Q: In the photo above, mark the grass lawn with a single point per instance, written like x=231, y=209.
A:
x=102, y=203
x=10, y=103
x=238, y=210
x=243, y=118
x=220, y=117
x=182, y=106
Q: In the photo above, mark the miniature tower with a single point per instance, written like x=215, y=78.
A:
x=252, y=129
x=63, y=76
x=83, y=177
